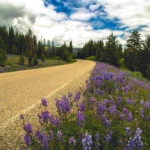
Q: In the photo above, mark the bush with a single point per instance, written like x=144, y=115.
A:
x=3, y=58
x=121, y=63
x=30, y=60
x=35, y=61
x=148, y=71
x=22, y=59
x=43, y=57
x=91, y=58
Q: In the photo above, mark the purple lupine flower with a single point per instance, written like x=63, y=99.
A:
x=59, y=135
x=112, y=110
x=87, y=142
x=122, y=116
x=119, y=99
x=63, y=105
x=45, y=116
x=147, y=105
x=108, y=136
x=44, y=102
x=39, y=135
x=125, y=110
x=77, y=96
x=28, y=128
x=97, y=144
x=51, y=135
x=21, y=117
x=40, y=117
x=128, y=131
x=92, y=100
x=127, y=88
x=130, y=117
x=97, y=135
x=80, y=118
x=81, y=106
x=142, y=102
x=27, y=139
x=105, y=122
x=54, y=121
x=101, y=107
x=130, y=101
x=72, y=141
x=142, y=113
x=45, y=142
x=70, y=95
x=136, y=142
x=98, y=92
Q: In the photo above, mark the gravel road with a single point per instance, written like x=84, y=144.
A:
x=21, y=93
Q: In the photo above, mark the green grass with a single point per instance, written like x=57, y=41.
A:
x=12, y=63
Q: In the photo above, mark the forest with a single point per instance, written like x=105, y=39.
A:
x=13, y=41
x=135, y=56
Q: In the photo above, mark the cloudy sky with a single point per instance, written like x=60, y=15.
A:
x=77, y=20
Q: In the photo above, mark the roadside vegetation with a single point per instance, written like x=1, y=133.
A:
x=31, y=52
x=15, y=63
x=114, y=114
x=134, y=56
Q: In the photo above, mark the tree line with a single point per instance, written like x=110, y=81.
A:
x=135, y=56
x=12, y=41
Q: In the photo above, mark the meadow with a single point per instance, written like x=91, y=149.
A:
x=13, y=64
x=114, y=114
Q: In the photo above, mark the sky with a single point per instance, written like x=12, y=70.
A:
x=77, y=20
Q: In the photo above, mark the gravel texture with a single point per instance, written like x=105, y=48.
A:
x=21, y=93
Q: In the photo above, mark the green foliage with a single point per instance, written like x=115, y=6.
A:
x=121, y=63
x=22, y=59
x=30, y=60
x=43, y=57
x=148, y=71
x=91, y=58
x=3, y=57
x=35, y=61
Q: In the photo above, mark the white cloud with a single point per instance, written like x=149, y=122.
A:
x=83, y=15
x=94, y=7
x=46, y=22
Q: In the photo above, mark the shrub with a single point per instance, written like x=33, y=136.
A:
x=22, y=59
x=43, y=57
x=91, y=58
x=3, y=57
x=148, y=71
x=121, y=63
x=30, y=60
x=35, y=61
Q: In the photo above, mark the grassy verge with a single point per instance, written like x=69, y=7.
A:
x=12, y=64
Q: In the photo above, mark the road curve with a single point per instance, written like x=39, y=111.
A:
x=21, y=91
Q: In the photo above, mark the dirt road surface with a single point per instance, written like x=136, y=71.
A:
x=21, y=93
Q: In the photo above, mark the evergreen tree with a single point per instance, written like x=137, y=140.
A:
x=70, y=47
x=111, y=49
x=134, y=42
x=3, y=57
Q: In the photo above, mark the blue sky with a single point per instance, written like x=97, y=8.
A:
x=78, y=20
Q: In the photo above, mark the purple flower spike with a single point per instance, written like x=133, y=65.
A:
x=77, y=97
x=28, y=128
x=87, y=142
x=59, y=135
x=80, y=118
x=72, y=141
x=21, y=117
x=45, y=116
x=27, y=139
x=44, y=102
